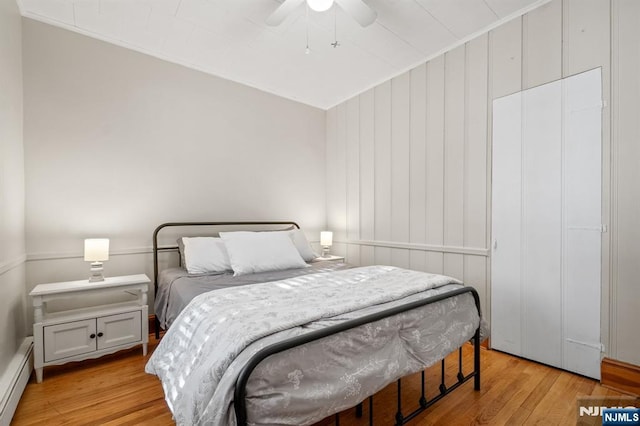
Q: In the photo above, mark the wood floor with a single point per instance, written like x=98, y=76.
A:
x=115, y=390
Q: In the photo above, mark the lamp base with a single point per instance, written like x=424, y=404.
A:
x=96, y=272
x=325, y=251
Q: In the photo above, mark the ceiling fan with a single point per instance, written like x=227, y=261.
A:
x=362, y=13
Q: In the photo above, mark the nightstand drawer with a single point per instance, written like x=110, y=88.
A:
x=120, y=329
x=69, y=339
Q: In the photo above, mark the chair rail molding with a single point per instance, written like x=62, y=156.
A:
x=12, y=263
x=475, y=251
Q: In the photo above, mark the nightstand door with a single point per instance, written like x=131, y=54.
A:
x=115, y=330
x=69, y=339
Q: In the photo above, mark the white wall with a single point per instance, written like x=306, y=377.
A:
x=408, y=162
x=117, y=142
x=12, y=246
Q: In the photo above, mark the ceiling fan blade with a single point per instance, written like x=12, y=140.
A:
x=281, y=13
x=359, y=10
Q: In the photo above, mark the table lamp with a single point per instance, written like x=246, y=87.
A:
x=326, y=240
x=96, y=250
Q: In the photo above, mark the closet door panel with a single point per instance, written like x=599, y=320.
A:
x=583, y=149
x=542, y=224
x=582, y=206
x=582, y=304
x=506, y=223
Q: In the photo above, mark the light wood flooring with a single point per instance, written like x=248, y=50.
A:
x=115, y=390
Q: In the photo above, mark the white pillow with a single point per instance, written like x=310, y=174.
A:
x=303, y=246
x=204, y=255
x=251, y=252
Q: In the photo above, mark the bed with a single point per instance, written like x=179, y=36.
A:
x=297, y=347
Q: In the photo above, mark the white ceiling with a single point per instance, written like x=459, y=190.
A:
x=229, y=38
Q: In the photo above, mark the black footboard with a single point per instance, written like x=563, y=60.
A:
x=240, y=390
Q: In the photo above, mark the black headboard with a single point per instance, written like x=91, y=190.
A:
x=226, y=225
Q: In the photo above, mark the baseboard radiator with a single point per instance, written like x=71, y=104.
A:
x=14, y=380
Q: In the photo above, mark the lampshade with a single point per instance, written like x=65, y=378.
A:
x=96, y=249
x=320, y=5
x=326, y=238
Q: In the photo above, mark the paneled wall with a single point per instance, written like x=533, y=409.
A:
x=407, y=169
x=408, y=162
x=625, y=215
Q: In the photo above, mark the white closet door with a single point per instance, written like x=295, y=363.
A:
x=506, y=312
x=542, y=223
x=582, y=222
x=546, y=223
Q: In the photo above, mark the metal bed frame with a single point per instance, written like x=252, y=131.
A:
x=400, y=418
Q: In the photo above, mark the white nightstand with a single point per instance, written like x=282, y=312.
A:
x=330, y=258
x=90, y=332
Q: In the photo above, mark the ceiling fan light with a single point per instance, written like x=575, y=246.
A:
x=320, y=5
